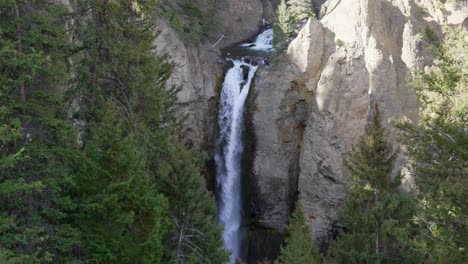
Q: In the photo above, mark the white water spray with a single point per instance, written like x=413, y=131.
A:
x=235, y=89
x=264, y=41
x=229, y=171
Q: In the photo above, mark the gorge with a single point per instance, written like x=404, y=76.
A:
x=233, y=131
x=312, y=104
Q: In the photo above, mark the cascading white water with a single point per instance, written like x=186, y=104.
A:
x=231, y=112
x=264, y=41
x=235, y=89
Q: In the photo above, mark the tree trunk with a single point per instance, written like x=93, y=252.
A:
x=180, y=239
x=376, y=199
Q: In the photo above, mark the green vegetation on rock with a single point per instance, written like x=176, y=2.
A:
x=385, y=225
x=376, y=216
x=438, y=148
x=192, y=20
x=290, y=15
x=298, y=248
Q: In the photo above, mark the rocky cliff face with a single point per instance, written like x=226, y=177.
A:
x=198, y=66
x=315, y=102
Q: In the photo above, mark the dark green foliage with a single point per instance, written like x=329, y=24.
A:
x=289, y=16
x=93, y=195
x=193, y=20
x=376, y=216
x=438, y=147
x=120, y=73
x=299, y=248
x=301, y=9
x=120, y=214
x=283, y=27
x=37, y=153
x=173, y=18
x=431, y=36
x=117, y=64
x=194, y=236
x=372, y=160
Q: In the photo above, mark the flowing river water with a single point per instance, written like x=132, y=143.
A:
x=235, y=90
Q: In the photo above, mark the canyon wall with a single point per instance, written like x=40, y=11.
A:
x=199, y=68
x=314, y=102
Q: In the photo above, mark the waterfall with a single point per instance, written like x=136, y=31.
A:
x=231, y=112
x=264, y=41
x=228, y=159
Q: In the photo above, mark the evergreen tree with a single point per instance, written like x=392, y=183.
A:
x=116, y=63
x=37, y=144
x=299, y=248
x=300, y=9
x=195, y=235
x=289, y=14
x=284, y=25
x=120, y=85
x=121, y=217
x=118, y=73
x=376, y=216
x=193, y=20
x=438, y=147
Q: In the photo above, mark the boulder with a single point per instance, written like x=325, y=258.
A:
x=306, y=50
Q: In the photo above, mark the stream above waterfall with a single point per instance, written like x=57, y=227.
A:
x=261, y=46
x=245, y=59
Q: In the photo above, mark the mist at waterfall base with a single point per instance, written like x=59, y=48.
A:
x=228, y=158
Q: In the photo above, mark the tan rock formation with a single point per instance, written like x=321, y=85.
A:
x=196, y=73
x=310, y=106
x=198, y=66
x=279, y=111
x=360, y=53
x=306, y=50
